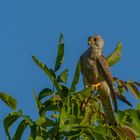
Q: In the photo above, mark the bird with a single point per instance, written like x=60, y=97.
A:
x=96, y=73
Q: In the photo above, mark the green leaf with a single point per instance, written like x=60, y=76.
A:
x=11, y=118
x=55, y=116
x=9, y=100
x=60, y=54
x=37, y=101
x=71, y=129
x=102, y=130
x=39, y=104
x=89, y=134
x=50, y=122
x=74, y=135
x=76, y=78
x=33, y=132
x=30, y=138
x=63, y=117
x=44, y=68
x=45, y=122
x=119, y=116
x=8, y=121
x=39, y=138
x=20, y=130
x=63, y=93
x=52, y=132
x=99, y=136
x=45, y=92
x=49, y=72
x=87, y=118
x=133, y=89
x=83, y=94
x=28, y=120
x=115, y=56
x=63, y=76
x=75, y=108
x=135, y=116
x=137, y=83
x=68, y=104
x=138, y=106
x=50, y=106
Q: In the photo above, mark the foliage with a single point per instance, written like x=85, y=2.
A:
x=10, y=101
x=115, y=56
x=74, y=114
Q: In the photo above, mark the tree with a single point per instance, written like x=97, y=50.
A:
x=74, y=114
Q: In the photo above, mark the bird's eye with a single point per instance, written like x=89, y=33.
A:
x=95, y=39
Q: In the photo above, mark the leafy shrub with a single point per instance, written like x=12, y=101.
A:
x=74, y=114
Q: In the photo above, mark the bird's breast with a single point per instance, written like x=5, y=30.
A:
x=89, y=66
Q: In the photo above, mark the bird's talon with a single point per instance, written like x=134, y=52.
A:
x=95, y=86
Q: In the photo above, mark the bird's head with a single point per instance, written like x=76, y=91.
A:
x=96, y=42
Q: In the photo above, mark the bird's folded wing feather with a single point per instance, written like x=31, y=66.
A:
x=104, y=68
x=107, y=74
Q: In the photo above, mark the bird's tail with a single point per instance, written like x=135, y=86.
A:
x=109, y=113
x=113, y=96
x=106, y=103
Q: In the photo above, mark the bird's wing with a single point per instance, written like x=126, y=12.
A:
x=106, y=74
x=109, y=78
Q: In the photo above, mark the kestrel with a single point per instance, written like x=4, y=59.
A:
x=96, y=73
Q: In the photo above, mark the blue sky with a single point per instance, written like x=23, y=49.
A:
x=33, y=27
